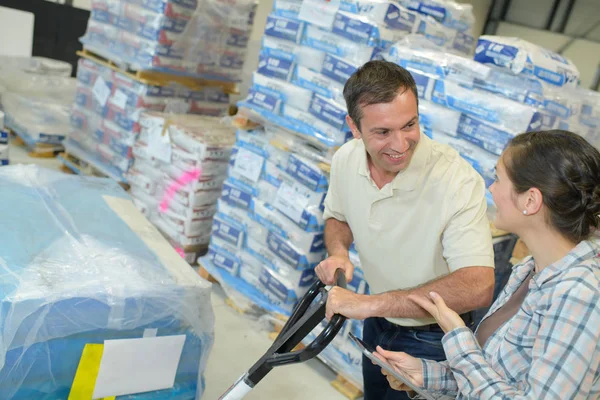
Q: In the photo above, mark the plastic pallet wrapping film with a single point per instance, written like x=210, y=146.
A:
x=477, y=106
x=105, y=117
x=36, y=96
x=82, y=266
x=201, y=38
x=180, y=164
x=309, y=51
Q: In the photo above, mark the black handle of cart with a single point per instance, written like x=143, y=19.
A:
x=307, y=314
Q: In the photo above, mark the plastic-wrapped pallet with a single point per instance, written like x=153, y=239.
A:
x=36, y=98
x=201, y=38
x=177, y=176
x=106, y=114
x=477, y=106
x=36, y=65
x=307, y=56
x=269, y=218
x=267, y=235
x=536, y=76
x=473, y=107
x=84, y=269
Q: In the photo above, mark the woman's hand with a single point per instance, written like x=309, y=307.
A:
x=435, y=305
x=403, y=364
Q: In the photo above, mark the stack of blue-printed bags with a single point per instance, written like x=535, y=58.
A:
x=268, y=229
x=511, y=86
x=268, y=232
x=309, y=51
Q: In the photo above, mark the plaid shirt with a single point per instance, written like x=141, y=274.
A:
x=549, y=350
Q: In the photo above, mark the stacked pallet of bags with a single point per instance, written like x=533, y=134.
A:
x=176, y=182
x=36, y=96
x=310, y=50
x=105, y=118
x=477, y=106
x=87, y=279
x=543, y=79
x=268, y=231
x=186, y=57
x=201, y=38
x=267, y=234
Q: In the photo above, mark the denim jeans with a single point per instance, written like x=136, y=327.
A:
x=417, y=343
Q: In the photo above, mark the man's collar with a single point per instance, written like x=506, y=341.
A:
x=408, y=178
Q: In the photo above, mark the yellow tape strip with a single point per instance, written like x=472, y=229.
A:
x=87, y=373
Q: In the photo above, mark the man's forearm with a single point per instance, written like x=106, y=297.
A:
x=338, y=237
x=464, y=290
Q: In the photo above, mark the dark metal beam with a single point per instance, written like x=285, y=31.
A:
x=562, y=23
x=552, y=15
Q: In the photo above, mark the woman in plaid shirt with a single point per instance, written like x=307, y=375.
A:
x=541, y=337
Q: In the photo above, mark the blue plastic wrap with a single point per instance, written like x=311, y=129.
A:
x=81, y=265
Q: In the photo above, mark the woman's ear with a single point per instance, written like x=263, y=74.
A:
x=534, y=200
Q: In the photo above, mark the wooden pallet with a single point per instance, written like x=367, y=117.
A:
x=346, y=388
x=243, y=122
x=40, y=150
x=155, y=78
x=72, y=164
x=206, y=275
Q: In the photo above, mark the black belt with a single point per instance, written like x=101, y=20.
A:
x=467, y=317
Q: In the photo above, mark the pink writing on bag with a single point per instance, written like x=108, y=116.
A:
x=187, y=177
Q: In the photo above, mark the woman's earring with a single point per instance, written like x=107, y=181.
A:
x=524, y=212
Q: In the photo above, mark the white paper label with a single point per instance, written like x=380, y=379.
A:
x=159, y=144
x=292, y=200
x=131, y=366
x=248, y=164
x=319, y=12
x=119, y=99
x=101, y=91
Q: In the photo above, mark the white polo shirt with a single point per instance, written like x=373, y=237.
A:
x=428, y=222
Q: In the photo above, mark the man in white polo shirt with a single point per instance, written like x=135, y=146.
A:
x=416, y=212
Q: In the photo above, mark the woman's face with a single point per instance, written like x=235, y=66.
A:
x=508, y=216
